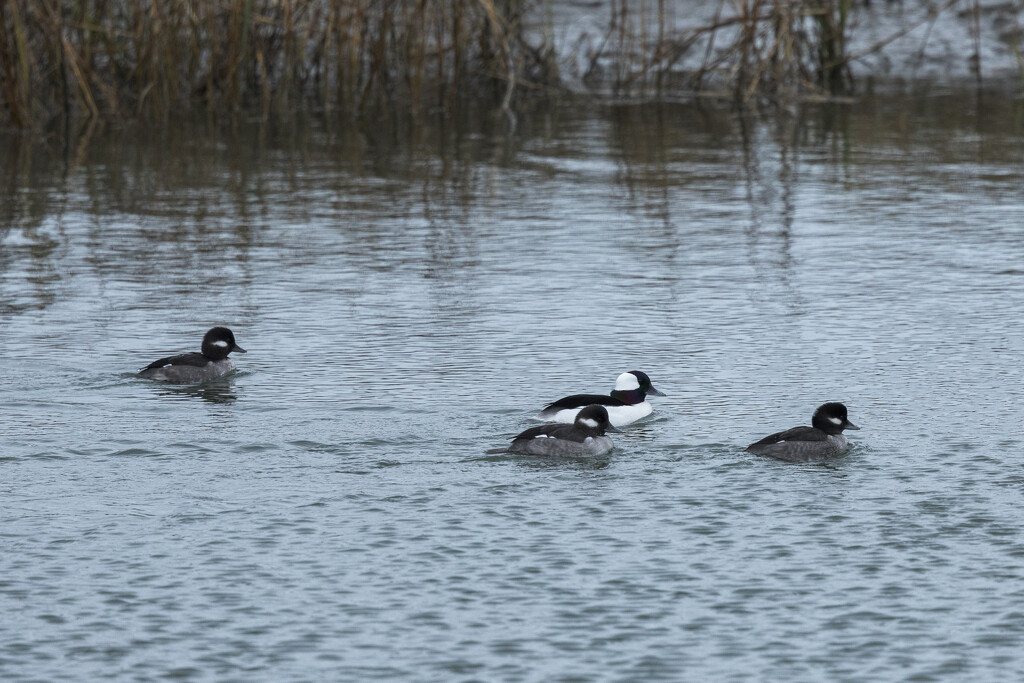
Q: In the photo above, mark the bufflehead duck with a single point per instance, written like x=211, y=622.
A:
x=627, y=402
x=192, y=368
x=585, y=436
x=804, y=444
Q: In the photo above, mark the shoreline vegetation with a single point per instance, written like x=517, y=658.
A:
x=126, y=59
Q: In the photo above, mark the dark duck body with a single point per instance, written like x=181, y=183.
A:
x=823, y=439
x=584, y=437
x=192, y=368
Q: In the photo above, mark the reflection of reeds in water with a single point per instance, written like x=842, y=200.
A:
x=124, y=58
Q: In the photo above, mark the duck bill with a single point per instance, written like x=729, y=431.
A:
x=850, y=425
x=612, y=428
x=238, y=349
x=654, y=392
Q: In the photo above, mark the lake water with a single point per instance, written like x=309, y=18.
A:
x=411, y=295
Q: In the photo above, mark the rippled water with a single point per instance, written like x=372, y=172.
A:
x=409, y=297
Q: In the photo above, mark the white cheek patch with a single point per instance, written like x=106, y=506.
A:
x=627, y=382
x=835, y=420
x=590, y=423
x=221, y=343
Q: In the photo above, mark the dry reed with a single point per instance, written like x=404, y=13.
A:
x=131, y=57
x=155, y=58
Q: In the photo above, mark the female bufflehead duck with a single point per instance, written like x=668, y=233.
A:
x=192, y=368
x=804, y=444
x=585, y=436
x=627, y=402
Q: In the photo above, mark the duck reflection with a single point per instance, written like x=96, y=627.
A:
x=220, y=390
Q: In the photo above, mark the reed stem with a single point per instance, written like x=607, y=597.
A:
x=124, y=58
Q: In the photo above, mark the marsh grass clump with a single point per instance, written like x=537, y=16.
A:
x=792, y=47
x=130, y=58
x=155, y=58
x=749, y=50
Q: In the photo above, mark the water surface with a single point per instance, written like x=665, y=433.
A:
x=411, y=295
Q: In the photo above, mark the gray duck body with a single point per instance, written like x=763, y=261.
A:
x=192, y=368
x=823, y=440
x=584, y=437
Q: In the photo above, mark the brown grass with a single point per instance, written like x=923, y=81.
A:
x=135, y=57
x=157, y=58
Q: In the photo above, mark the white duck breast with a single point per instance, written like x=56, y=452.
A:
x=618, y=415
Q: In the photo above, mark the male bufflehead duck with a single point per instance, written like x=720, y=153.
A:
x=627, y=402
x=804, y=444
x=192, y=368
x=585, y=436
